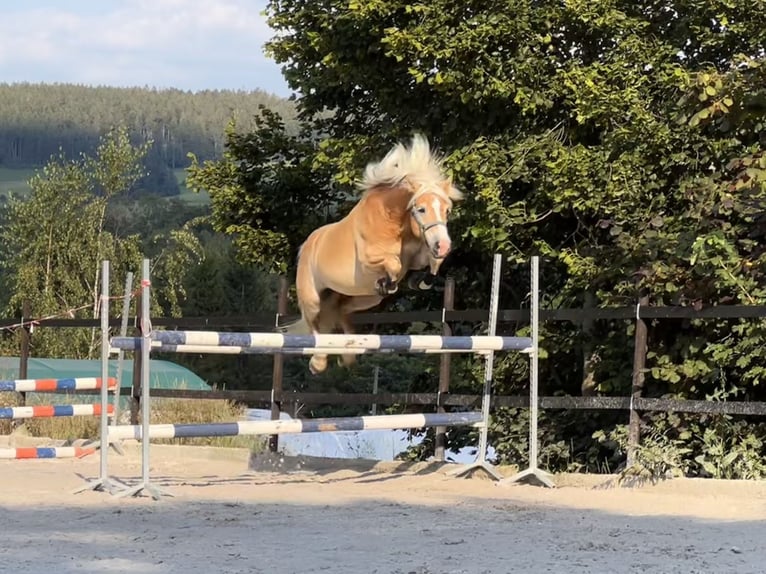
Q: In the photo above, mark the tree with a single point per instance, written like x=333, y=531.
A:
x=265, y=192
x=54, y=241
x=620, y=140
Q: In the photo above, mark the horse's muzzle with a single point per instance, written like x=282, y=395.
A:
x=441, y=248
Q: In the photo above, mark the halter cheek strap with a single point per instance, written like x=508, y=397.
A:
x=421, y=225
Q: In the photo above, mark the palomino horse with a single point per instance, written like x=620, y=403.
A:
x=399, y=224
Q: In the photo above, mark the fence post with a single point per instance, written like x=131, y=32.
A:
x=444, y=369
x=278, y=370
x=588, y=385
x=26, y=315
x=639, y=365
x=121, y=354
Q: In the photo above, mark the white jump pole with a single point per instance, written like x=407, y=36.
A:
x=103, y=482
x=159, y=347
x=481, y=459
x=296, y=426
x=532, y=473
x=146, y=340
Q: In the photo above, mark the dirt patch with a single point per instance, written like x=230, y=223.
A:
x=230, y=512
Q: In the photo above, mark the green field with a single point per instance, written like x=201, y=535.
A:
x=15, y=180
x=201, y=198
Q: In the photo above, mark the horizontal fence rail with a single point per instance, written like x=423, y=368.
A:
x=255, y=398
x=268, y=321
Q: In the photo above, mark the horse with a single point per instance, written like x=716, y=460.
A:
x=399, y=224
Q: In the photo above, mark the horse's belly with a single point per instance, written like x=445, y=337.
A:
x=337, y=269
x=356, y=283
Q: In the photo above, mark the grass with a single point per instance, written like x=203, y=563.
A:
x=188, y=196
x=164, y=410
x=13, y=180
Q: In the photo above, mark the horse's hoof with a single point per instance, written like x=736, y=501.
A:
x=385, y=286
x=317, y=366
x=427, y=282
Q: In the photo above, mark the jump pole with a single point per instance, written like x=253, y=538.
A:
x=45, y=411
x=128, y=294
x=212, y=342
x=53, y=385
x=45, y=452
x=103, y=482
x=481, y=458
x=146, y=338
x=295, y=426
x=272, y=342
x=533, y=473
x=159, y=347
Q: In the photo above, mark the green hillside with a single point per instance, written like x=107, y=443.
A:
x=38, y=121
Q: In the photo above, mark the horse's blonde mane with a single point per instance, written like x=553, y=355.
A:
x=416, y=165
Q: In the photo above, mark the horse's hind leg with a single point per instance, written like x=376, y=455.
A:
x=311, y=311
x=310, y=303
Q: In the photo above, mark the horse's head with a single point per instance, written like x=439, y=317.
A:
x=430, y=209
x=418, y=173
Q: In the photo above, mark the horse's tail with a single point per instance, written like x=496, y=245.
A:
x=303, y=282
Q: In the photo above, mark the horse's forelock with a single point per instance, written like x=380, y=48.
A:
x=445, y=190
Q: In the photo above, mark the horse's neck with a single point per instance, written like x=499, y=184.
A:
x=390, y=206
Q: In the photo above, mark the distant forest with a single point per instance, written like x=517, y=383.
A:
x=38, y=121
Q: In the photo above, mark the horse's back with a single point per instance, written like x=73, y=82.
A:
x=327, y=259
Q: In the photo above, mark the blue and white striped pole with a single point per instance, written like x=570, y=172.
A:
x=293, y=426
x=208, y=341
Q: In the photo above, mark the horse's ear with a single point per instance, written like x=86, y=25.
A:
x=452, y=192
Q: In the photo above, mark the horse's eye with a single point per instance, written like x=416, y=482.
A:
x=421, y=210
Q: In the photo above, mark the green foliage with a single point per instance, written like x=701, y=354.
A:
x=687, y=445
x=622, y=141
x=40, y=119
x=657, y=457
x=731, y=449
x=219, y=285
x=54, y=243
x=264, y=192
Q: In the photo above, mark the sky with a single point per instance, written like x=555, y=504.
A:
x=185, y=44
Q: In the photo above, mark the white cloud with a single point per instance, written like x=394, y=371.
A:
x=188, y=44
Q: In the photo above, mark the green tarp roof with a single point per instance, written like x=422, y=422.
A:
x=164, y=374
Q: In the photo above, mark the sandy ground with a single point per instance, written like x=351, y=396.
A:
x=231, y=514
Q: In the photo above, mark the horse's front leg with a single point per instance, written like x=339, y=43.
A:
x=427, y=281
x=392, y=269
x=385, y=261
